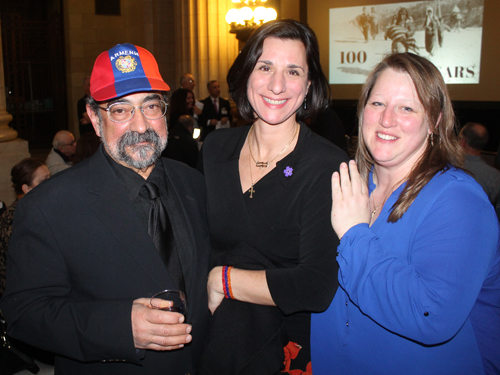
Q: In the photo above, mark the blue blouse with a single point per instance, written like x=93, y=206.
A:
x=407, y=289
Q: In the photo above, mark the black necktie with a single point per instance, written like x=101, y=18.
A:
x=160, y=230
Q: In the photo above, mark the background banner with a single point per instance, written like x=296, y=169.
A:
x=447, y=32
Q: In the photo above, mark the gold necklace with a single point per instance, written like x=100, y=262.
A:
x=375, y=207
x=372, y=200
x=252, y=190
x=265, y=164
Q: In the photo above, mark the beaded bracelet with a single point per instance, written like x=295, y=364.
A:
x=226, y=282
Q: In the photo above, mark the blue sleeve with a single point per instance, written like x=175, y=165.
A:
x=448, y=239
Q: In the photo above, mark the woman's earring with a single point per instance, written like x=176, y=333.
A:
x=432, y=139
x=305, y=103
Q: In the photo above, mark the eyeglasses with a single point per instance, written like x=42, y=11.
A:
x=121, y=112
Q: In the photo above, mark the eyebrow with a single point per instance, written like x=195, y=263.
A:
x=144, y=100
x=293, y=66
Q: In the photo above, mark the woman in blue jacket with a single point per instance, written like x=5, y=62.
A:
x=418, y=259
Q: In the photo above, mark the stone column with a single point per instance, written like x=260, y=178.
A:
x=6, y=133
x=12, y=149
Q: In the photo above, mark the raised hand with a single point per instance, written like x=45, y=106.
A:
x=351, y=202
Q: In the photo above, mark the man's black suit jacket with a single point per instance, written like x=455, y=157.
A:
x=79, y=256
x=208, y=113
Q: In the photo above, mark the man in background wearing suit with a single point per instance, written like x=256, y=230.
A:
x=86, y=255
x=216, y=111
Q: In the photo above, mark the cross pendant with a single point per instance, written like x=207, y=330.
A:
x=251, y=190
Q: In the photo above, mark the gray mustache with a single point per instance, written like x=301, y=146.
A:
x=131, y=138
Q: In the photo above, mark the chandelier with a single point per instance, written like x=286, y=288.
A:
x=247, y=16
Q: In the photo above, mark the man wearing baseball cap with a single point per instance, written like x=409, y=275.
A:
x=91, y=247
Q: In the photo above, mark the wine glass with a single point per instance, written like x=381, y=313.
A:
x=177, y=301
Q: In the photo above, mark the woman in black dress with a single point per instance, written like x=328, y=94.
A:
x=269, y=193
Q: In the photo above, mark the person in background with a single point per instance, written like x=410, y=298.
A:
x=431, y=26
x=187, y=81
x=86, y=146
x=182, y=102
x=419, y=261
x=61, y=154
x=216, y=111
x=402, y=32
x=84, y=123
x=25, y=176
x=92, y=246
x=474, y=138
x=364, y=22
x=181, y=146
x=374, y=22
x=268, y=201
x=330, y=126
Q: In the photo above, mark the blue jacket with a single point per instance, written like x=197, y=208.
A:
x=411, y=291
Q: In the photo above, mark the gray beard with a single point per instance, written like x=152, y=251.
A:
x=127, y=145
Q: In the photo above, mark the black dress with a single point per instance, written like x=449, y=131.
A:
x=284, y=229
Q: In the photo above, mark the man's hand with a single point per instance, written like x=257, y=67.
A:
x=157, y=329
x=223, y=120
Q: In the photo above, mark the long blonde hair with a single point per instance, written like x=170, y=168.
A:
x=442, y=149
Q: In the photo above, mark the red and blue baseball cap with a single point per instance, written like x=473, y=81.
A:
x=123, y=70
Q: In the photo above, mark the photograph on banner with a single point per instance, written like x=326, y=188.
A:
x=447, y=32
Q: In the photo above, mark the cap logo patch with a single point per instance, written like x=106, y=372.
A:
x=126, y=64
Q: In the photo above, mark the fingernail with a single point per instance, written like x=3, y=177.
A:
x=189, y=329
x=181, y=319
x=189, y=338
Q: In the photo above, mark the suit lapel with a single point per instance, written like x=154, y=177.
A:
x=183, y=230
x=118, y=215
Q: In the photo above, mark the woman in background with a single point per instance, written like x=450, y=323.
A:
x=181, y=145
x=25, y=176
x=273, y=246
x=182, y=103
x=402, y=31
x=419, y=267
